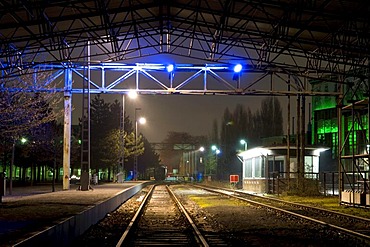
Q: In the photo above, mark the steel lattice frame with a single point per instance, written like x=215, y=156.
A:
x=307, y=38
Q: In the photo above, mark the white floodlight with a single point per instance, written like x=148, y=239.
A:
x=170, y=68
x=238, y=68
x=142, y=120
x=132, y=94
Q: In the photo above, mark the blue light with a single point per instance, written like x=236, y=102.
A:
x=238, y=68
x=170, y=68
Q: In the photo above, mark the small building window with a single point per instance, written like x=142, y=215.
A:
x=248, y=168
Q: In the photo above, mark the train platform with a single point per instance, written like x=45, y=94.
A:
x=32, y=209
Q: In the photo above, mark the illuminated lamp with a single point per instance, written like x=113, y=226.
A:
x=132, y=94
x=170, y=68
x=23, y=140
x=238, y=68
x=237, y=71
x=142, y=120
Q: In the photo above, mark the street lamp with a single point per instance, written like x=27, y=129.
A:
x=23, y=141
x=140, y=121
x=132, y=94
x=199, y=177
x=217, y=152
x=187, y=165
x=243, y=142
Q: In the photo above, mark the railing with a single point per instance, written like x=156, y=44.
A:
x=326, y=183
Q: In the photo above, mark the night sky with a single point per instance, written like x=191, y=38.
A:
x=193, y=114
x=184, y=113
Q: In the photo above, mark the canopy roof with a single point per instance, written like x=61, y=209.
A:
x=305, y=38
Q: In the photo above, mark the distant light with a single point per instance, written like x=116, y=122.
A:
x=243, y=142
x=201, y=149
x=142, y=120
x=238, y=68
x=170, y=68
x=23, y=140
x=214, y=147
x=218, y=151
x=132, y=94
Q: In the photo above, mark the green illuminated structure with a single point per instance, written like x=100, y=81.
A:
x=325, y=115
x=341, y=122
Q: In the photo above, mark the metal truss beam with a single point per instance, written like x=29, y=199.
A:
x=145, y=78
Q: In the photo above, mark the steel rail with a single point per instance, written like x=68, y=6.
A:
x=199, y=237
x=341, y=229
x=193, y=225
x=294, y=204
x=135, y=218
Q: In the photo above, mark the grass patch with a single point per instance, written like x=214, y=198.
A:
x=330, y=203
x=326, y=202
x=215, y=201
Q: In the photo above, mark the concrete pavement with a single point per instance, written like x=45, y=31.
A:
x=35, y=208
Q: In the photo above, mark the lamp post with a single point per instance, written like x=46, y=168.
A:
x=201, y=149
x=141, y=121
x=132, y=94
x=187, y=167
x=217, y=152
x=11, y=170
x=23, y=141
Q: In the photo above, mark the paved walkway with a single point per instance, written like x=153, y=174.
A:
x=35, y=208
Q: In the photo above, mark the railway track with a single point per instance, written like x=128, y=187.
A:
x=221, y=219
x=354, y=226
x=162, y=220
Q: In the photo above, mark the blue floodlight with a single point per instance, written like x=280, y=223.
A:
x=238, y=68
x=170, y=68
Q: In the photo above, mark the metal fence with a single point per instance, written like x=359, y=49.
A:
x=325, y=183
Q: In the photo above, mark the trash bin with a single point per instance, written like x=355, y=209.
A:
x=95, y=179
x=2, y=184
x=200, y=177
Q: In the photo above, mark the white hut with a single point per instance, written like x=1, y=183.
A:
x=263, y=165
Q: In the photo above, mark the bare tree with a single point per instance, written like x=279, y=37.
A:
x=26, y=102
x=271, y=118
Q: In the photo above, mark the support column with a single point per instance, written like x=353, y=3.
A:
x=288, y=139
x=340, y=104
x=67, y=128
x=298, y=143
